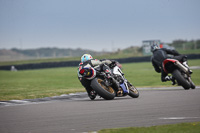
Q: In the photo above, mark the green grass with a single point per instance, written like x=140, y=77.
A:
x=193, y=127
x=29, y=84
x=38, y=83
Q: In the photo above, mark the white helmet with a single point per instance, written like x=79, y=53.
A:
x=86, y=57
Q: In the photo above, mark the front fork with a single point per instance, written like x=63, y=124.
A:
x=126, y=84
x=125, y=87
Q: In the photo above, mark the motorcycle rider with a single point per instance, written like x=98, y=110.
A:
x=87, y=61
x=160, y=54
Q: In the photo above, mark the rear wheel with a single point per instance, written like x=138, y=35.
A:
x=181, y=79
x=107, y=92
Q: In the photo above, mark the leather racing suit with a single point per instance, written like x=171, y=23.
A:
x=103, y=64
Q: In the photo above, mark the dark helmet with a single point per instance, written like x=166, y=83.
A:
x=154, y=47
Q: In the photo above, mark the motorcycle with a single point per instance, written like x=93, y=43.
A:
x=180, y=73
x=109, y=88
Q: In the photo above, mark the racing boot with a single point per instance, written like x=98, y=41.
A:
x=167, y=78
x=164, y=79
x=92, y=95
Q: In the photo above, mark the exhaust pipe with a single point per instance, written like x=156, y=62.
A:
x=182, y=67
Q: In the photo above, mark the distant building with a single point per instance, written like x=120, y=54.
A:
x=146, y=46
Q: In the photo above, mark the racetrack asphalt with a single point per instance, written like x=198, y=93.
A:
x=76, y=113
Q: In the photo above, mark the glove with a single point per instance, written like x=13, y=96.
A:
x=113, y=61
x=113, y=64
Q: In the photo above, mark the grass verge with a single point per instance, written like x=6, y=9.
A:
x=193, y=127
x=30, y=84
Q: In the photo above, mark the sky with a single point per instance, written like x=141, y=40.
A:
x=96, y=24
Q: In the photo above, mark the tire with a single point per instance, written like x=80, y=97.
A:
x=133, y=92
x=108, y=93
x=181, y=80
x=191, y=83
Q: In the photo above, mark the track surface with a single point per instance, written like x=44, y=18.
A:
x=76, y=115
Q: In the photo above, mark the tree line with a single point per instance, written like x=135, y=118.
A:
x=53, y=52
x=185, y=44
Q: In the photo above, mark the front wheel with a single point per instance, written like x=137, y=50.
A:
x=181, y=79
x=133, y=92
x=107, y=92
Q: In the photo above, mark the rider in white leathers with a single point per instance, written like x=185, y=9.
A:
x=87, y=61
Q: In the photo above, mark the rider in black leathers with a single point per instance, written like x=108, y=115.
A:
x=160, y=54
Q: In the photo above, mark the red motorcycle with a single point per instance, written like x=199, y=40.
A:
x=180, y=74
